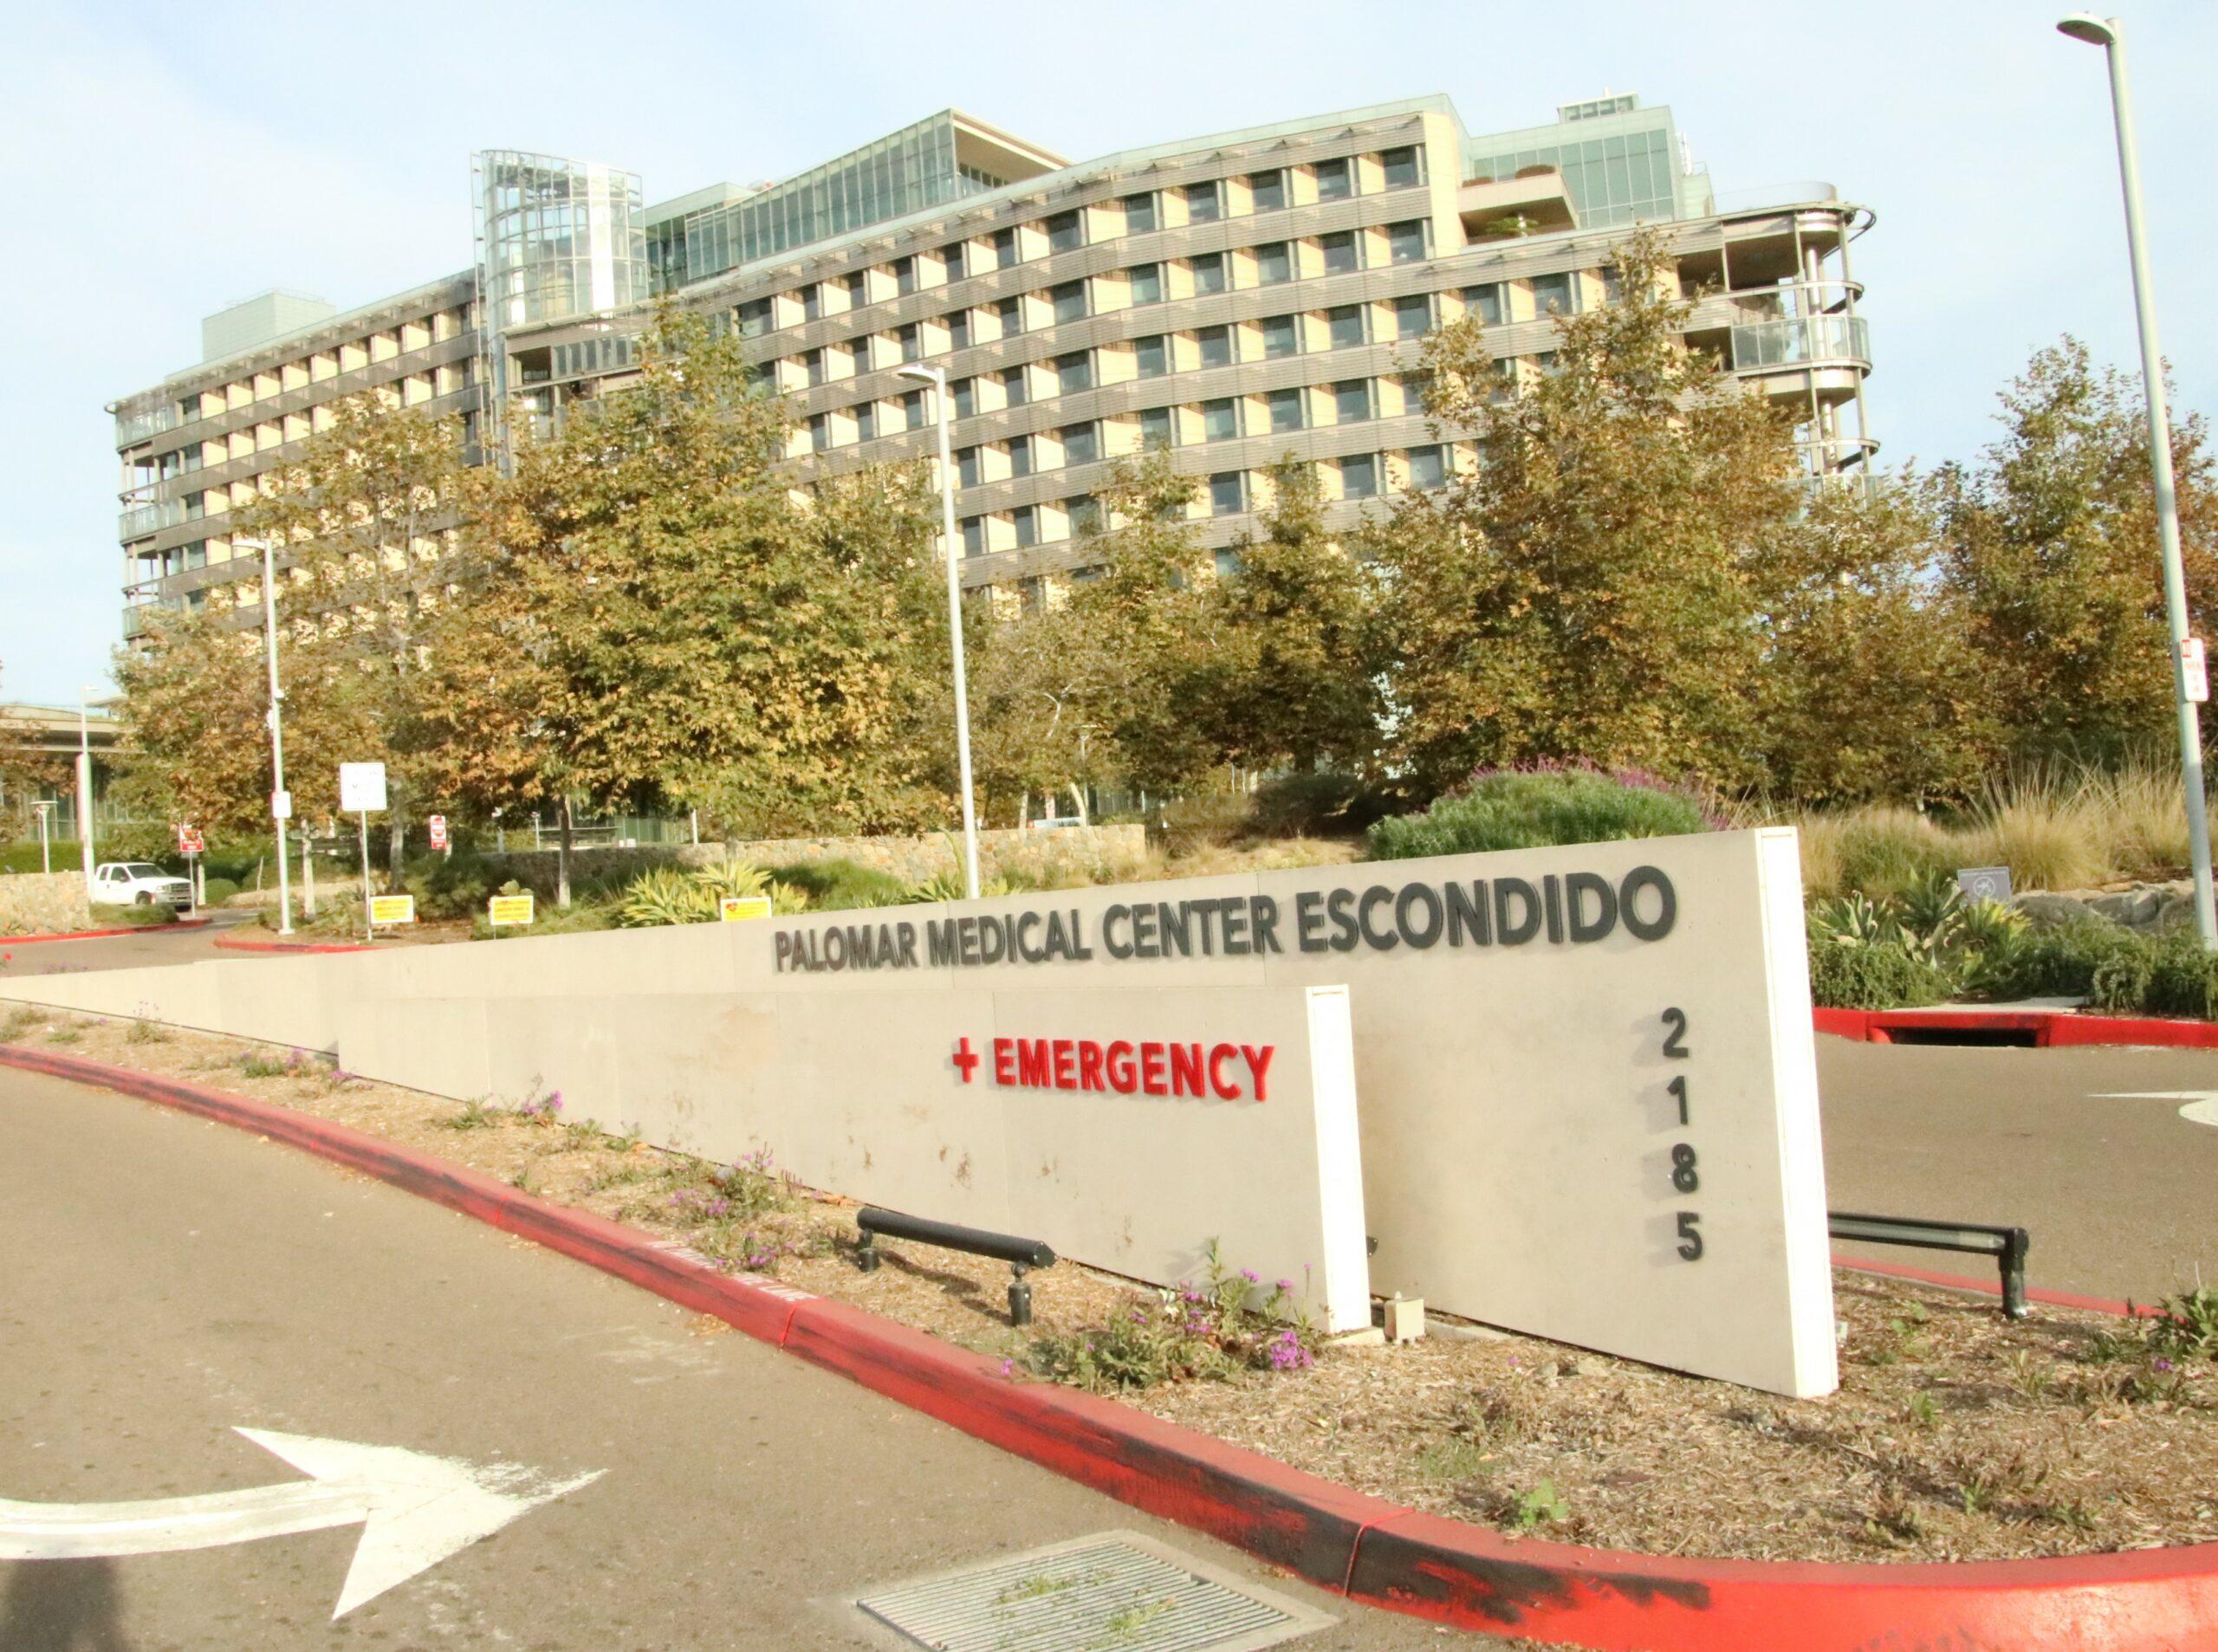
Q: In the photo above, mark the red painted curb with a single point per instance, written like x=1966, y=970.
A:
x=95, y=934
x=2051, y=1029
x=1340, y=1540
x=1993, y=1287
x=232, y=943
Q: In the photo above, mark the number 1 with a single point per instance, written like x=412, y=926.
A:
x=1678, y=1087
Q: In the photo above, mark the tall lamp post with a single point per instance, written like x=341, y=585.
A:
x=281, y=805
x=85, y=786
x=2110, y=34
x=937, y=378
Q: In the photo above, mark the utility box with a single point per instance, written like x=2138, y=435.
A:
x=1405, y=1318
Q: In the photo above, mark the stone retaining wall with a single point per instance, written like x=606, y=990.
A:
x=36, y=903
x=1064, y=854
x=2144, y=906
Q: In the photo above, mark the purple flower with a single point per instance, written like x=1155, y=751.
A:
x=2161, y=1364
x=1251, y=1276
x=1286, y=1352
x=1008, y=1368
x=1283, y=1285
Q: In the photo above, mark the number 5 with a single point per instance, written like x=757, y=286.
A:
x=1689, y=1241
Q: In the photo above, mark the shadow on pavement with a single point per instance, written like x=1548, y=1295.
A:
x=61, y=1606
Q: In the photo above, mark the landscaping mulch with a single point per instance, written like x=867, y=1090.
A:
x=1957, y=1434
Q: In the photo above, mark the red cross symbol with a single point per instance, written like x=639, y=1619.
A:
x=966, y=1058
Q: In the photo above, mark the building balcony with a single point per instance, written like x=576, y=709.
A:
x=1535, y=201
x=141, y=520
x=1802, y=342
x=132, y=429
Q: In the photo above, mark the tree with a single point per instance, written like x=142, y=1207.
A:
x=1039, y=684
x=362, y=518
x=1588, y=591
x=1296, y=680
x=655, y=617
x=2053, y=548
x=1870, y=685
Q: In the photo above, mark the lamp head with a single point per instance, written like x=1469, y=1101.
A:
x=923, y=375
x=2086, y=26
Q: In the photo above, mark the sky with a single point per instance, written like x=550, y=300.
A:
x=166, y=161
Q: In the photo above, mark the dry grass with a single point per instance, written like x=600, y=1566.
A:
x=2055, y=828
x=1957, y=1434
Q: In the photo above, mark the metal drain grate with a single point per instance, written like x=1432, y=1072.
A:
x=1117, y=1592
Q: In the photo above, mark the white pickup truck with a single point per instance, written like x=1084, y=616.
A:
x=138, y=883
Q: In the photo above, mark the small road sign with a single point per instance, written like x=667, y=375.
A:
x=438, y=827
x=392, y=909
x=362, y=787
x=190, y=842
x=509, y=909
x=735, y=909
x=1978, y=884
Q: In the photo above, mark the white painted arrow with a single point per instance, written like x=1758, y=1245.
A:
x=2201, y=1104
x=415, y=1509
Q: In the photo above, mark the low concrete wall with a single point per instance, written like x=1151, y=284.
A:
x=1066, y=854
x=2147, y=907
x=35, y=903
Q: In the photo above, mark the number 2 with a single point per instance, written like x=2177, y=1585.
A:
x=1678, y=1088
x=1675, y=1042
x=1689, y=1239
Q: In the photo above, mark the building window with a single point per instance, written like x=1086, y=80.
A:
x=1140, y=215
x=1069, y=300
x=196, y=555
x=954, y=260
x=1352, y=401
x=1335, y=179
x=1553, y=295
x=754, y=318
x=1285, y=408
x=1274, y=263
x=1413, y=315
x=1156, y=427
x=912, y=341
x=812, y=302
x=1340, y=252
x=1027, y=518
x=1400, y=167
x=1084, y=513
x=1549, y=361
x=912, y=410
x=855, y=288
x=1281, y=336
x=1004, y=249
x=1020, y=455
x=1268, y=189
x=1208, y=274
x=1147, y=283
x=1220, y=419
x=1082, y=444
x=1215, y=344
x=1613, y=285
x=858, y=355
x=1013, y=387
x=1405, y=241
x=1344, y=326
x=196, y=505
x=820, y=431
x=974, y=537
x=959, y=330
x=1428, y=467
x=1359, y=475
x=1011, y=312
x=1151, y=356
x=1228, y=564
x=966, y=398
x=905, y=276
x=814, y=362
x=867, y=422
x=1065, y=232
x=1227, y=494
x=1205, y=203
x=1485, y=303
x=966, y=466
x=1074, y=373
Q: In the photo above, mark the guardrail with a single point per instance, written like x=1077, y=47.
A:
x=2007, y=1245
x=1022, y=1254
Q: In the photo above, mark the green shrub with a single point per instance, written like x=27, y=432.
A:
x=217, y=891
x=1529, y=811
x=1320, y=805
x=1885, y=853
x=450, y=886
x=1850, y=974
x=2166, y=975
x=2057, y=961
x=838, y=885
x=134, y=916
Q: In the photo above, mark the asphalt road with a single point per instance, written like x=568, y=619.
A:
x=2119, y=1194
x=169, y=1280
x=169, y=944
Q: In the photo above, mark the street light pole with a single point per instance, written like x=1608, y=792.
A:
x=85, y=787
x=937, y=378
x=280, y=810
x=2110, y=34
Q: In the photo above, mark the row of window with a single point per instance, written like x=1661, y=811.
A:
x=1226, y=493
x=1201, y=276
x=1143, y=214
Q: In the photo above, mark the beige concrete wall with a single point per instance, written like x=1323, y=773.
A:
x=43, y=903
x=1519, y=1132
